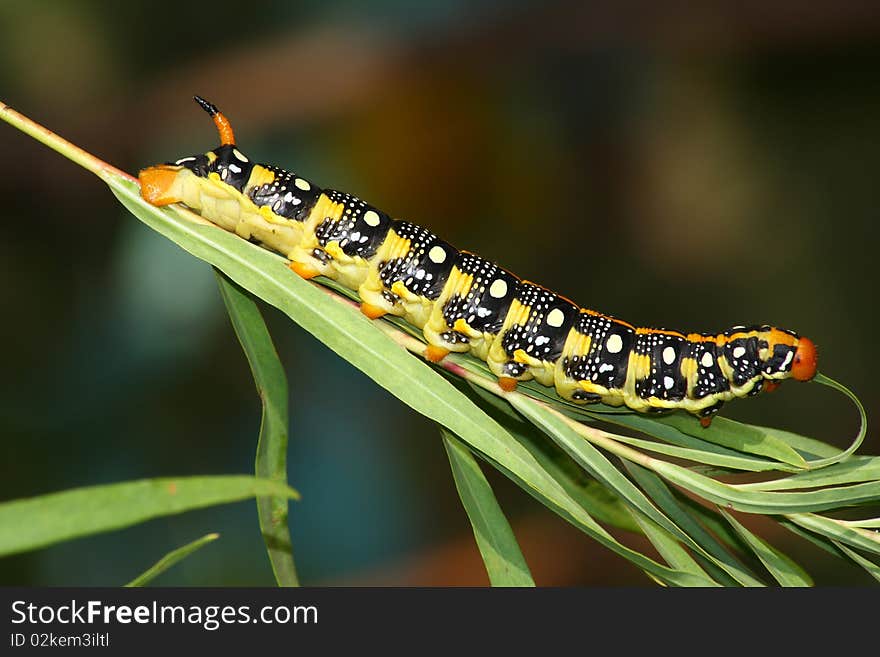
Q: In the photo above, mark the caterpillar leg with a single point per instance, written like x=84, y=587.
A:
x=507, y=384
x=708, y=413
x=509, y=373
x=435, y=354
x=371, y=311
x=304, y=270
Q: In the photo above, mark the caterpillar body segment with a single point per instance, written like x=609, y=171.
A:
x=465, y=303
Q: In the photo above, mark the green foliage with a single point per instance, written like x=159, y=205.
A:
x=593, y=466
x=36, y=522
x=170, y=559
x=271, y=459
x=501, y=554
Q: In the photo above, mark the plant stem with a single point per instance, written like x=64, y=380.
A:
x=58, y=144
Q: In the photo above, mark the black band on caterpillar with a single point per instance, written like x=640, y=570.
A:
x=465, y=303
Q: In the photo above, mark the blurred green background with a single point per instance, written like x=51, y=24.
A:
x=673, y=166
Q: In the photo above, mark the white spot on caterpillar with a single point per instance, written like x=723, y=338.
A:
x=437, y=255
x=238, y=155
x=541, y=340
x=185, y=159
x=669, y=355
x=302, y=184
x=787, y=360
x=605, y=367
x=371, y=218
x=614, y=344
x=706, y=360
x=234, y=168
x=498, y=289
x=739, y=352
x=556, y=318
x=668, y=382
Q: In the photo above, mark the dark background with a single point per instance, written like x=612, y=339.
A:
x=673, y=166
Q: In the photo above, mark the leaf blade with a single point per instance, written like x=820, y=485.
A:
x=783, y=568
x=271, y=457
x=504, y=561
x=48, y=519
x=170, y=560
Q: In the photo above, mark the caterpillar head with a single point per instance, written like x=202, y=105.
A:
x=790, y=355
x=160, y=183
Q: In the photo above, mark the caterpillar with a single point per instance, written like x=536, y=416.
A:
x=465, y=303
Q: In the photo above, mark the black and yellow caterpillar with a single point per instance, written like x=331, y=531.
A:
x=464, y=303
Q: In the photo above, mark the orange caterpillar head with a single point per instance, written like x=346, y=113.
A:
x=806, y=358
x=790, y=355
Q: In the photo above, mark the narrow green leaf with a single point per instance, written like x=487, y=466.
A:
x=710, y=519
x=732, y=570
x=668, y=546
x=864, y=539
x=855, y=469
x=271, y=459
x=598, y=465
x=705, y=451
x=48, y=519
x=863, y=422
x=170, y=559
x=594, y=498
x=868, y=523
x=710, y=458
x=783, y=568
x=767, y=502
x=821, y=542
x=504, y=561
x=872, y=568
x=583, y=521
x=806, y=446
x=737, y=436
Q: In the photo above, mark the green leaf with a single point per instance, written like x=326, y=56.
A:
x=170, y=559
x=855, y=469
x=669, y=547
x=863, y=422
x=732, y=571
x=839, y=531
x=737, y=436
x=871, y=523
x=784, y=570
x=872, y=568
x=703, y=457
x=597, y=465
x=271, y=459
x=594, y=498
x=767, y=502
x=504, y=561
x=804, y=445
x=48, y=519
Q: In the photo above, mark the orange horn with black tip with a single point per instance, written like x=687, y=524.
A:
x=227, y=137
